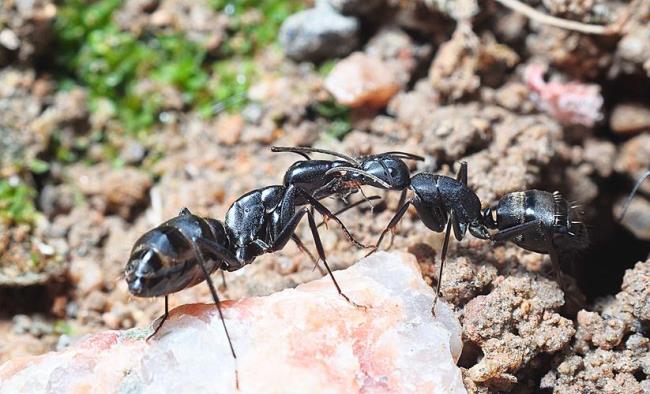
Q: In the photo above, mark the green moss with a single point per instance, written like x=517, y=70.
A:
x=253, y=24
x=111, y=63
x=38, y=166
x=16, y=203
x=327, y=66
x=337, y=114
x=233, y=78
x=62, y=327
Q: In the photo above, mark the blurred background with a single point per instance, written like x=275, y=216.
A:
x=114, y=115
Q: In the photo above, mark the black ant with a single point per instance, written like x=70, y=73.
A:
x=186, y=249
x=535, y=220
x=441, y=202
x=538, y=221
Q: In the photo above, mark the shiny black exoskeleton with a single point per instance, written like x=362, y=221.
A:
x=442, y=203
x=324, y=178
x=164, y=260
x=538, y=221
x=186, y=249
x=178, y=254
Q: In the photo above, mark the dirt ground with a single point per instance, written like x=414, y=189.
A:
x=526, y=104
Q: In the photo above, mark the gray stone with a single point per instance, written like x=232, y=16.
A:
x=133, y=152
x=319, y=33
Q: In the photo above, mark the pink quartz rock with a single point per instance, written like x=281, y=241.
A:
x=361, y=80
x=302, y=340
x=569, y=103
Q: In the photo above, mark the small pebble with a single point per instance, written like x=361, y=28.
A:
x=637, y=217
x=253, y=113
x=361, y=80
x=628, y=118
x=229, y=128
x=133, y=153
x=319, y=33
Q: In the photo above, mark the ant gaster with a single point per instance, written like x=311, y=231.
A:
x=186, y=249
x=538, y=221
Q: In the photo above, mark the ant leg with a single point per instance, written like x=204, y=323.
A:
x=223, y=280
x=162, y=320
x=462, y=173
x=391, y=225
x=328, y=215
x=215, y=298
x=372, y=207
x=285, y=230
x=348, y=207
x=443, y=257
x=629, y=198
x=221, y=252
x=563, y=281
x=511, y=232
x=321, y=254
x=304, y=249
x=327, y=190
x=402, y=198
x=459, y=228
x=290, y=226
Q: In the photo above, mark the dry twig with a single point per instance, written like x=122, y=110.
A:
x=540, y=17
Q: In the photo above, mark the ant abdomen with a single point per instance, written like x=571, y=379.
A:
x=163, y=260
x=553, y=222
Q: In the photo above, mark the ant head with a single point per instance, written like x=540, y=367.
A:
x=389, y=169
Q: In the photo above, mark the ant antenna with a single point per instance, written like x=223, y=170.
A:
x=629, y=198
x=291, y=150
x=360, y=172
x=404, y=155
x=303, y=150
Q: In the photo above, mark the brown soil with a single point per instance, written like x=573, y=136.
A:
x=462, y=96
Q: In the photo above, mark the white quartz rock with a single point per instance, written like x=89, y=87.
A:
x=302, y=340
